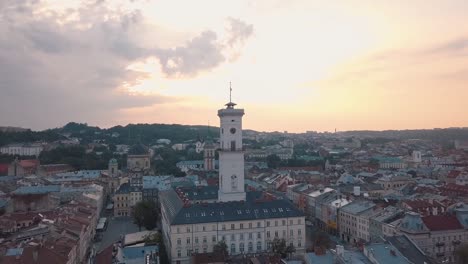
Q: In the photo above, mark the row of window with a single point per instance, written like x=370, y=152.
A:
x=242, y=226
x=233, y=237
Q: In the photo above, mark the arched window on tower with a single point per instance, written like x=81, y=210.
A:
x=234, y=182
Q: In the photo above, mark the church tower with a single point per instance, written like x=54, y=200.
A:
x=113, y=168
x=209, y=156
x=231, y=155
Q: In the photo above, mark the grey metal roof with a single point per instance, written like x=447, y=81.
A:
x=201, y=193
x=409, y=249
x=37, y=189
x=127, y=188
x=251, y=209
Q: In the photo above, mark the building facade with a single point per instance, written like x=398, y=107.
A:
x=195, y=221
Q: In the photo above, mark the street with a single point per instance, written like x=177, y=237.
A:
x=117, y=226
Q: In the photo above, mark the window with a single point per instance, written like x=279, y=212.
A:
x=223, y=238
x=268, y=245
x=299, y=243
x=203, y=227
x=250, y=225
x=268, y=234
x=196, y=250
x=233, y=226
x=259, y=235
x=241, y=247
x=299, y=221
x=233, y=145
x=259, y=224
x=233, y=248
x=204, y=239
x=224, y=227
x=188, y=240
x=179, y=253
x=284, y=222
x=196, y=240
x=241, y=236
x=276, y=234
x=178, y=230
x=268, y=223
x=241, y=226
x=205, y=250
x=213, y=239
x=234, y=182
x=290, y=222
x=189, y=252
x=299, y=232
x=233, y=237
x=179, y=242
x=259, y=246
x=284, y=233
x=250, y=247
x=291, y=233
x=188, y=229
x=250, y=235
x=276, y=223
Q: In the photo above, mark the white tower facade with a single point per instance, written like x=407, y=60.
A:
x=231, y=155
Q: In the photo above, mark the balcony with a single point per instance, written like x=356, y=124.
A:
x=440, y=244
x=440, y=254
x=456, y=242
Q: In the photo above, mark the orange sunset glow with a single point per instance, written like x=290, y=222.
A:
x=294, y=65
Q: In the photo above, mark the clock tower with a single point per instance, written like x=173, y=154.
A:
x=231, y=155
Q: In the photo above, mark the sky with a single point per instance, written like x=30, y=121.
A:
x=293, y=65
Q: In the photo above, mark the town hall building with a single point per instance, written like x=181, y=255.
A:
x=246, y=221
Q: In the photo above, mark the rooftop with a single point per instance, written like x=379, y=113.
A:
x=357, y=207
x=385, y=254
x=442, y=222
x=23, y=190
x=256, y=206
x=157, y=182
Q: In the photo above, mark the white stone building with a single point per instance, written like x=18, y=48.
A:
x=246, y=222
x=22, y=149
x=354, y=221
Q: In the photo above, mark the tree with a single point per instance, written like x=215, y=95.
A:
x=279, y=247
x=221, y=248
x=461, y=254
x=145, y=213
x=273, y=161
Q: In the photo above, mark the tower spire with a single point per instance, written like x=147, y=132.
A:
x=230, y=105
x=230, y=92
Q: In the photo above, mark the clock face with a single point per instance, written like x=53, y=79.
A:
x=233, y=130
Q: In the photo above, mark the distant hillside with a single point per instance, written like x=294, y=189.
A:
x=138, y=133
x=437, y=135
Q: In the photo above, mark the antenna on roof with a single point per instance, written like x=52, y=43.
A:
x=230, y=92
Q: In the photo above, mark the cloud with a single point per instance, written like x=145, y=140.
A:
x=72, y=64
x=239, y=31
x=204, y=52
x=199, y=54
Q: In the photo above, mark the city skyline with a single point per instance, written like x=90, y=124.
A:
x=297, y=66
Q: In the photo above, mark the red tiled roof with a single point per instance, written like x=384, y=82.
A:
x=310, y=168
x=453, y=174
x=442, y=222
x=29, y=163
x=105, y=256
x=4, y=168
x=44, y=256
x=421, y=204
